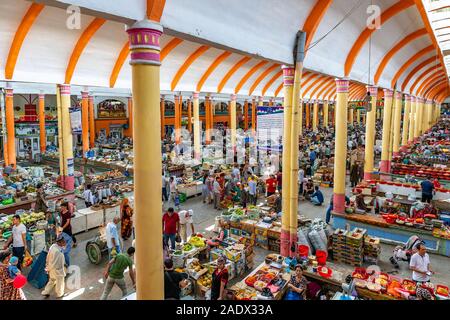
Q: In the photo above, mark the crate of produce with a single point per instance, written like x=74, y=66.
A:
x=235, y=232
x=248, y=225
x=339, y=235
x=235, y=224
x=274, y=232
x=247, y=235
x=234, y=255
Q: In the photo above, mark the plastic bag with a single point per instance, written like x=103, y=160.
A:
x=27, y=260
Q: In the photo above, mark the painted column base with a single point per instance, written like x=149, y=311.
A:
x=396, y=154
x=385, y=166
x=367, y=175
x=285, y=240
x=339, y=203
x=67, y=182
x=293, y=245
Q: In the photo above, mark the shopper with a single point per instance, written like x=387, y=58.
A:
x=88, y=196
x=7, y=289
x=173, y=188
x=205, y=192
x=420, y=265
x=317, y=197
x=301, y=180
x=66, y=218
x=171, y=227
x=297, y=285
x=271, y=185
x=173, y=281
x=186, y=222
x=330, y=208
x=164, y=187
x=252, y=191
x=54, y=266
x=18, y=239
x=126, y=215
x=68, y=247
x=354, y=174
x=112, y=237
x=219, y=280
x=40, y=205
x=217, y=193
x=114, y=273
x=427, y=190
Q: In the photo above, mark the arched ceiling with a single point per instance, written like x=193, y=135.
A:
x=224, y=46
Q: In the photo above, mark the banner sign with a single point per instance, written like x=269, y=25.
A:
x=270, y=122
x=75, y=121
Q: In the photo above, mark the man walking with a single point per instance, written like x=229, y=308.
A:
x=55, y=268
x=186, y=222
x=18, y=239
x=217, y=193
x=114, y=273
x=171, y=227
x=112, y=237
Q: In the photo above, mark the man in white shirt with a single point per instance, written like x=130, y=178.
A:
x=54, y=265
x=301, y=179
x=18, y=239
x=112, y=237
x=88, y=196
x=420, y=265
x=186, y=219
x=217, y=193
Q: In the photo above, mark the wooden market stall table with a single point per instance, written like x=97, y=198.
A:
x=376, y=226
x=191, y=189
x=25, y=204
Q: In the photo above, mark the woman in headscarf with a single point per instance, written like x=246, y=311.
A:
x=7, y=290
x=126, y=212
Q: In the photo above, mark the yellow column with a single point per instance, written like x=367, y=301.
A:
x=162, y=110
x=406, y=115
x=42, y=133
x=85, y=122
x=387, y=116
x=91, y=122
x=412, y=119
x=429, y=109
x=370, y=135
x=421, y=116
x=358, y=115
x=189, y=106
x=417, y=118
x=208, y=116
x=197, y=126
x=325, y=114
x=178, y=110
x=397, y=123
x=130, y=115
x=246, y=115
x=254, y=114
x=351, y=115
x=233, y=121
x=68, y=161
x=260, y=101
x=145, y=69
x=340, y=152
x=10, y=127
x=315, y=115
x=288, y=80
x=62, y=171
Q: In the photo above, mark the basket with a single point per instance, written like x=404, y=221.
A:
x=42, y=225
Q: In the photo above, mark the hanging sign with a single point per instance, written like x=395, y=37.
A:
x=270, y=122
x=75, y=121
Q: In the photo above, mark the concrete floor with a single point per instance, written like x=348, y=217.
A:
x=204, y=215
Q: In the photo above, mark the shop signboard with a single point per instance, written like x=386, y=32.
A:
x=75, y=121
x=270, y=127
x=70, y=167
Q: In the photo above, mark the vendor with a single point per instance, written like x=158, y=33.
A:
x=309, y=189
x=317, y=197
x=297, y=285
x=219, y=280
x=420, y=265
x=271, y=185
x=360, y=204
x=40, y=205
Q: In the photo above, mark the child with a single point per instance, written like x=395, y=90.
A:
x=176, y=200
x=12, y=268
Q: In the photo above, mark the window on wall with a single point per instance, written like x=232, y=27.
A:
x=111, y=108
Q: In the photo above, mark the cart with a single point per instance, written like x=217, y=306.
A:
x=96, y=248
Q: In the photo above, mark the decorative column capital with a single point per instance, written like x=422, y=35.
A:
x=9, y=92
x=64, y=89
x=144, y=43
x=84, y=95
x=91, y=98
x=413, y=99
x=342, y=85
x=398, y=95
x=288, y=75
x=388, y=93
x=41, y=95
x=373, y=90
x=233, y=97
x=408, y=98
x=195, y=95
x=429, y=101
x=260, y=99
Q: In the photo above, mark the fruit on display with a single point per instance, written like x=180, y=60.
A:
x=188, y=247
x=197, y=242
x=259, y=285
x=442, y=291
x=245, y=294
x=409, y=286
x=205, y=280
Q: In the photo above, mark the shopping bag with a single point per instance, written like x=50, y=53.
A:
x=27, y=260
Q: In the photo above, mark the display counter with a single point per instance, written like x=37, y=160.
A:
x=94, y=217
x=19, y=204
x=191, y=189
x=391, y=233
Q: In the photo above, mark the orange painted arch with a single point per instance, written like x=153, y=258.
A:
x=321, y=93
x=251, y=72
x=423, y=75
x=433, y=74
x=305, y=81
x=155, y=9
x=409, y=38
x=428, y=81
x=408, y=63
x=320, y=79
x=123, y=55
x=83, y=41
x=357, y=93
x=314, y=18
x=415, y=70
x=327, y=94
x=211, y=69
x=352, y=89
x=262, y=76
x=320, y=88
x=435, y=90
x=277, y=92
x=433, y=85
x=230, y=72
x=271, y=81
x=25, y=25
x=365, y=35
x=189, y=61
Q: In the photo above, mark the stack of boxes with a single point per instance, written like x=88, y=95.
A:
x=273, y=236
x=248, y=231
x=372, y=249
x=261, y=232
x=348, y=246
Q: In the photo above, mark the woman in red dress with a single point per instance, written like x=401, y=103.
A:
x=7, y=290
